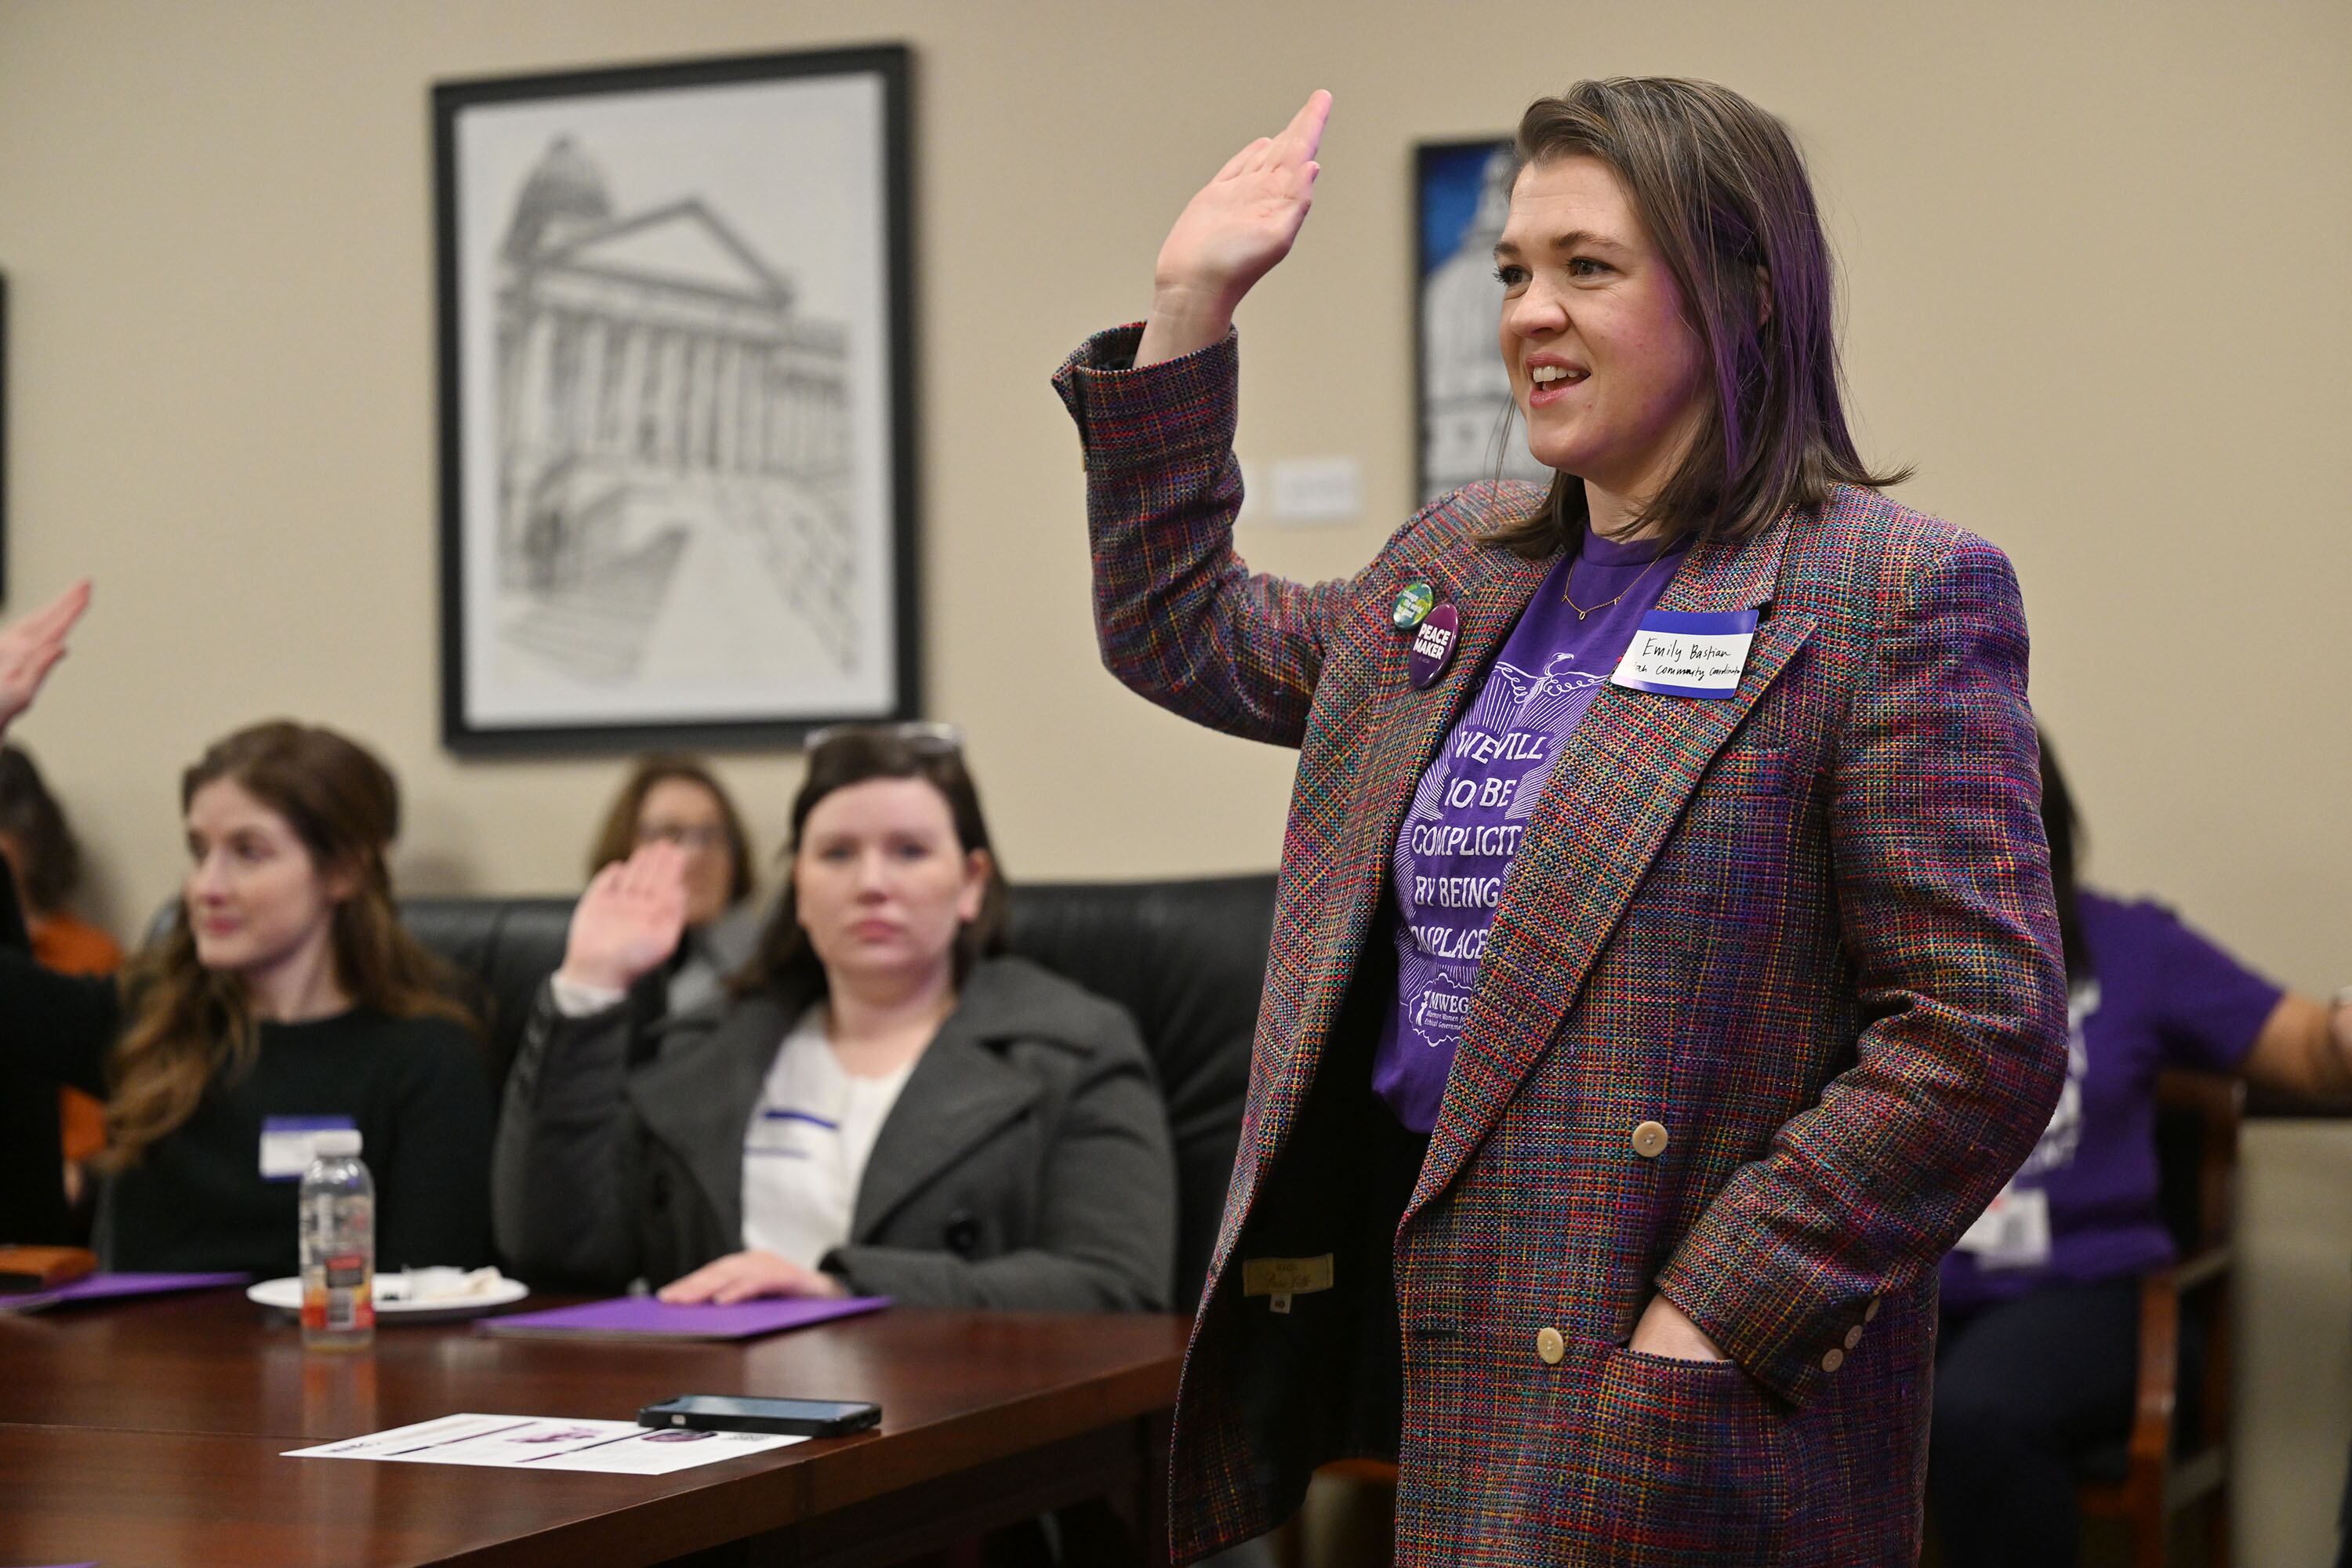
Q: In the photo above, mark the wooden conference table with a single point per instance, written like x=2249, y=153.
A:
x=149, y=1432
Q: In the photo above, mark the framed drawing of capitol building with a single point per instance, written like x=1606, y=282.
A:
x=678, y=496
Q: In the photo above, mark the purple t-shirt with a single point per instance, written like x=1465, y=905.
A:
x=1470, y=812
x=2160, y=995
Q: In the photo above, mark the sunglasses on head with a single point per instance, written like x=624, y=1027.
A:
x=931, y=737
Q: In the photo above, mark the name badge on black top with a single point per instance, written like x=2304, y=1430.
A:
x=286, y=1143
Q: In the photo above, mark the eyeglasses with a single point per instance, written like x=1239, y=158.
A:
x=931, y=737
x=687, y=836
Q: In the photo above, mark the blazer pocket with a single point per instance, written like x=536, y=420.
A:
x=1683, y=1460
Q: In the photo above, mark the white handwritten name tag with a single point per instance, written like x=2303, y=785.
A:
x=1685, y=654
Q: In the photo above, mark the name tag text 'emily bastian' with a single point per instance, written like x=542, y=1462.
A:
x=1687, y=655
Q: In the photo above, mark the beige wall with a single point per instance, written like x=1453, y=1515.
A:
x=2098, y=294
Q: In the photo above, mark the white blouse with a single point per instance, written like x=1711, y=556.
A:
x=806, y=1150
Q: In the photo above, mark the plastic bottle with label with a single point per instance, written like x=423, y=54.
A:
x=338, y=1219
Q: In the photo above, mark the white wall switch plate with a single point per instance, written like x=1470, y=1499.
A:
x=1317, y=490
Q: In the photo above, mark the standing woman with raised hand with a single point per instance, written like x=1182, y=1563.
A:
x=1665, y=969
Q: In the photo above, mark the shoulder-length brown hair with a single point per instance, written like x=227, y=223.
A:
x=786, y=963
x=1722, y=189
x=192, y=1023
x=618, y=839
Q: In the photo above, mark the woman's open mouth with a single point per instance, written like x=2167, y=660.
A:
x=1547, y=383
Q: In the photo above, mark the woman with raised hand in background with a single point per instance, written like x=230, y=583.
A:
x=679, y=800
x=1665, y=968
x=888, y=1105
x=33, y=1203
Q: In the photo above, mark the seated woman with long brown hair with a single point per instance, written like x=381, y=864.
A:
x=285, y=996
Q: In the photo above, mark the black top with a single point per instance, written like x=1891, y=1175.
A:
x=415, y=1088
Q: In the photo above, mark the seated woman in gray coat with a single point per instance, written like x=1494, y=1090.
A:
x=887, y=1104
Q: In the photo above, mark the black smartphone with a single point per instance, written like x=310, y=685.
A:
x=737, y=1412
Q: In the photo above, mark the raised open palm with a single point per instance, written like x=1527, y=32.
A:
x=1231, y=233
x=629, y=920
x=31, y=646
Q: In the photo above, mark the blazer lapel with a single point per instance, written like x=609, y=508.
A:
x=698, y=1099
x=959, y=1092
x=1624, y=778
x=1489, y=593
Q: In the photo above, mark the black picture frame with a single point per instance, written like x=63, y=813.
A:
x=676, y=393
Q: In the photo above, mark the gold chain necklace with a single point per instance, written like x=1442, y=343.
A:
x=1582, y=612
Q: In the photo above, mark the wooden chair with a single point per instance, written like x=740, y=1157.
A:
x=2178, y=1453
x=1348, y=1520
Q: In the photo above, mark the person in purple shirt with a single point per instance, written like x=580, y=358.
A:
x=1469, y=811
x=2038, y=1348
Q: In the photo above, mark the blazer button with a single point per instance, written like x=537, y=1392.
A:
x=1854, y=1336
x=1550, y=1346
x=1650, y=1140
x=1870, y=1313
x=1834, y=1359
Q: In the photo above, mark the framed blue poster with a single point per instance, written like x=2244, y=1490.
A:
x=1465, y=428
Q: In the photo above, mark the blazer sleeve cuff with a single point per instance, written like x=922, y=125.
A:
x=574, y=1000
x=1129, y=419
x=1789, y=1332
x=909, y=1278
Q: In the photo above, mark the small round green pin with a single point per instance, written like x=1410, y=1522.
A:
x=1414, y=602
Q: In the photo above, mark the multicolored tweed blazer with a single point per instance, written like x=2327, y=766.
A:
x=1806, y=933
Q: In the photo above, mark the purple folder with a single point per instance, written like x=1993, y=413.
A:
x=643, y=1317
x=107, y=1287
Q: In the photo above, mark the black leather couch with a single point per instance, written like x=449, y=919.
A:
x=1187, y=958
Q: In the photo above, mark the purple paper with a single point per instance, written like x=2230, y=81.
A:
x=107, y=1287
x=635, y=1315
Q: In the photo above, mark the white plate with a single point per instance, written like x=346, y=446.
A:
x=390, y=1302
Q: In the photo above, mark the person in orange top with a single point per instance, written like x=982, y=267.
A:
x=43, y=855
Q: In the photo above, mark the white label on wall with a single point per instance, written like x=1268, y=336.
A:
x=1317, y=490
